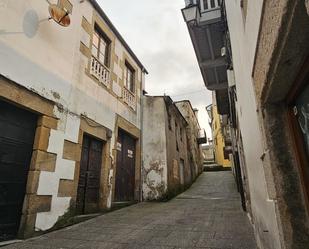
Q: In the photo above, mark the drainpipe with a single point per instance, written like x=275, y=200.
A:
x=141, y=137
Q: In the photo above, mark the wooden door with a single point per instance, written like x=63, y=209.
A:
x=17, y=130
x=125, y=169
x=89, y=176
x=298, y=103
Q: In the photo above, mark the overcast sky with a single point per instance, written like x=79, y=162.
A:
x=156, y=32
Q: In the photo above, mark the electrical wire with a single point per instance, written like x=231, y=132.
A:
x=189, y=93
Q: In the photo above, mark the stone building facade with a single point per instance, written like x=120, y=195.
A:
x=72, y=101
x=167, y=169
x=195, y=136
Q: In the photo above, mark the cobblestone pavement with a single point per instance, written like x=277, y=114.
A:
x=208, y=215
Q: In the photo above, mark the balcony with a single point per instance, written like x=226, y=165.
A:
x=129, y=98
x=227, y=136
x=202, y=138
x=207, y=31
x=100, y=72
x=223, y=103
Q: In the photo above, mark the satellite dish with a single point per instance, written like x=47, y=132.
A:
x=59, y=15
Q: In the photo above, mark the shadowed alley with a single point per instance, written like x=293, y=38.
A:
x=208, y=215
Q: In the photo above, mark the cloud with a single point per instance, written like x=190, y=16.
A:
x=157, y=34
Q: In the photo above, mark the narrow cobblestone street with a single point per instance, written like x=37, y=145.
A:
x=208, y=215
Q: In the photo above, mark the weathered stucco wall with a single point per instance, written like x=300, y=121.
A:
x=195, y=150
x=51, y=61
x=165, y=152
x=155, y=182
x=179, y=170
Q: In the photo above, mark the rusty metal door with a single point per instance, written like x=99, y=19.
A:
x=125, y=169
x=89, y=177
x=17, y=130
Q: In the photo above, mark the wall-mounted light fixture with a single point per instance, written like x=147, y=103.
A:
x=191, y=14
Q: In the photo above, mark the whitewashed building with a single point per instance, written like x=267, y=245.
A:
x=172, y=156
x=70, y=114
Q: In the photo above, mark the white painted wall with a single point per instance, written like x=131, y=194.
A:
x=45, y=58
x=154, y=147
x=244, y=39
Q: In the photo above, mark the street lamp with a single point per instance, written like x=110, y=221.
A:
x=191, y=14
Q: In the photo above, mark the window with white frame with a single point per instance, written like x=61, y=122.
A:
x=129, y=77
x=101, y=47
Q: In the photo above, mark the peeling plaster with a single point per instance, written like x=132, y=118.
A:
x=110, y=181
x=56, y=95
x=154, y=149
x=155, y=186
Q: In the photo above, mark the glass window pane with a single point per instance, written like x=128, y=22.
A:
x=302, y=105
x=125, y=77
x=102, y=58
x=103, y=46
x=133, y=87
x=94, y=51
x=129, y=75
x=129, y=79
x=95, y=40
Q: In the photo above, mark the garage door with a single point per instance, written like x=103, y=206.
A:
x=17, y=129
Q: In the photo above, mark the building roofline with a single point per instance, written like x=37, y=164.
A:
x=188, y=101
x=185, y=100
x=98, y=8
x=167, y=99
x=177, y=110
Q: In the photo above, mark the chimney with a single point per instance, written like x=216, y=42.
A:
x=195, y=112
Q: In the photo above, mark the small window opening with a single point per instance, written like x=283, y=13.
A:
x=129, y=77
x=100, y=46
